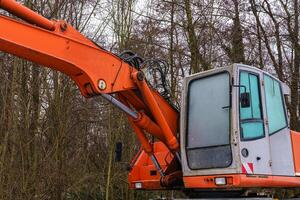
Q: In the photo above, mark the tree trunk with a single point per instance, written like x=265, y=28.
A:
x=238, y=55
x=198, y=62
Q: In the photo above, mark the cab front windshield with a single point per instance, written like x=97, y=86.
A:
x=208, y=122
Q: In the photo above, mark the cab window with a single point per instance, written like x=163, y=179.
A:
x=274, y=105
x=251, y=120
x=208, y=122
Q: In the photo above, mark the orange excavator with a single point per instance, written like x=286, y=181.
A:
x=230, y=138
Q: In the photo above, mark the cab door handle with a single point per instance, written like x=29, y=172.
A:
x=225, y=107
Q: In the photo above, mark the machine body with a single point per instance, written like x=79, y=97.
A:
x=232, y=133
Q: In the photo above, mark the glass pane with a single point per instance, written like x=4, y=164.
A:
x=208, y=139
x=251, y=117
x=212, y=157
x=274, y=103
x=251, y=83
x=245, y=113
x=252, y=130
x=255, y=99
x=208, y=120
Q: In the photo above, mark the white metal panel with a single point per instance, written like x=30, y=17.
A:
x=282, y=161
x=185, y=168
x=259, y=150
x=281, y=153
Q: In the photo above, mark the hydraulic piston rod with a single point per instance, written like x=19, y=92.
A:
x=134, y=115
x=26, y=14
x=157, y=165
x=121, y=106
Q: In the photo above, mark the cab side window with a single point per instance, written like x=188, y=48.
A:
x=251, y=120
x=274, y=105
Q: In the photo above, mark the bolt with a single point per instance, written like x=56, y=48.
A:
x=102, y=84
x=63, y=27
x=140, y=76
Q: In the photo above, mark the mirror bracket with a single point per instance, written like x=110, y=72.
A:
x=244, y=97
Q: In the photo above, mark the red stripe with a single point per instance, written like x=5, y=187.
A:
x=251, y=167
x=243, y=169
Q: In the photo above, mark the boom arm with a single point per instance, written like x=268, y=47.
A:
x=59, y=46
x=64, y=49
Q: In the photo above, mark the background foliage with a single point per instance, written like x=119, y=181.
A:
x=54, y=144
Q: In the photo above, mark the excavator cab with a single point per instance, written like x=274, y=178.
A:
x=235, y=137
x=235, y=132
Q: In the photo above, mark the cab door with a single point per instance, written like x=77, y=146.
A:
x=278, y=130
x=254, y=142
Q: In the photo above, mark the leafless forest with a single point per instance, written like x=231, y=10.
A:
x=55, y=144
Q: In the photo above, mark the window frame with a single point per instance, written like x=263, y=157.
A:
x=261, y=108
x=229, y=119
x=283, y=104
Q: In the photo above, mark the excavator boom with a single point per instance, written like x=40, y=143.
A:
x=57, y=45
x=64, y=49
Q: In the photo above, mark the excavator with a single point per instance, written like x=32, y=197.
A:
x=231, y=136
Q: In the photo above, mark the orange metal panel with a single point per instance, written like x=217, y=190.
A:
x=147, y=124
x=171, y=115
x=147, y=118
x=241, y=181
x=143, y=171
x=296, y=150
x=142, y=138
x=156, y=110
x=135, y=100
x=69, y=52
x=59, y=46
